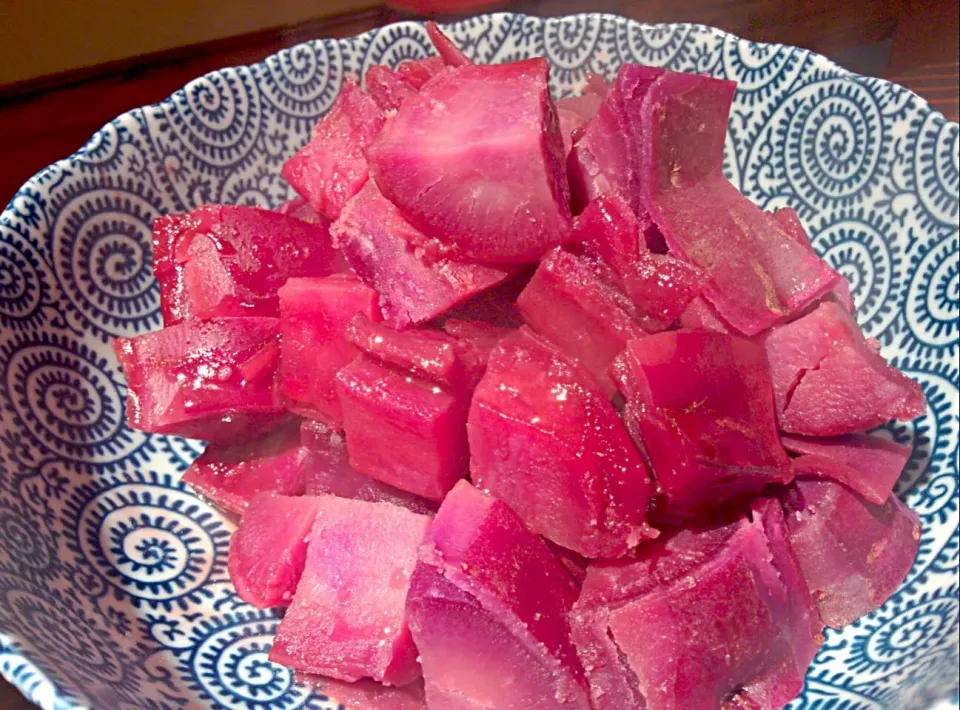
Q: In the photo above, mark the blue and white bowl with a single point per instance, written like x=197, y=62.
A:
x=113, y=584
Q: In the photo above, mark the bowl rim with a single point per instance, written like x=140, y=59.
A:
x=31, y=680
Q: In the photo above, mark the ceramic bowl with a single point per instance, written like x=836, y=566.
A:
x=114, y=592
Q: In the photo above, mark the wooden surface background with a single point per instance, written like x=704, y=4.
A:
x=912, y=42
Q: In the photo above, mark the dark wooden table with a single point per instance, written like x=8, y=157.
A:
x=912, y=42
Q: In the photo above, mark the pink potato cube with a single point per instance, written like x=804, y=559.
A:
x=853, y=553
x=567, y=302
x=347, y=618
x=269, y=549
x=211, y=380
x=230, y=475
x=701, y=405
x=313, y=317
x=789, y=221
x=488, y=608
x=502, y=201
x=702, y=619
x=402, y=430
x=605, y=160
x=229, y=260
x=867, y=463
x=326, y=469
x=381, y=248
x=756, y=273
x=828, y=380
x=331, y=168
x=546, y=440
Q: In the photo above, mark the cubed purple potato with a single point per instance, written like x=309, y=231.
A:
x=829, y=380
x=347, y=618
x=853, y=553
x=546, y=440
x=700, y=405
x=488, y=608
x=211, y=380
x=269, y=549
x=867, y=463
x=230, y=475
x=331, y=168
x=402, y=430
x=504, y=201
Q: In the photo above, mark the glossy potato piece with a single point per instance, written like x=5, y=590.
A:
x=489, y=601
x=211, y=380
x=757, y=274
x=701, y=406
x=347, y=618
x=314, y=314
x=494, y=201
x=229, y=260
x=867, y=463
x=402, y=430
x=546, y=440
x=331, y=168
x=369, y=694
x=828, y=380
x=728, y=607
x=853, y=553
x=658, y=286
x=569, y=303
x=605, y=160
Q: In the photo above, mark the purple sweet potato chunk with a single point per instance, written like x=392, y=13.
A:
x=313, y=317
x=229, y=260
x=789, y=221
x=757, y=274
x=387, y=87
x=605, y=156
x=546, y=440
x=347, y=618
x=702, y=407
x=494, y=201
x=658, y=286
x=380, y=246
x=853, y=553
x=727, y=606
x=230, y=475
x=369, y=694
x=867, y=463
x=419, y=71
x=211, y=380
x=568, y=302
x=331, y=168
x=489, y=601
x=402, y=430
x=430, y=354
x=325, y=469
x=829, y=380
x=450, y=52
x=269, y=549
